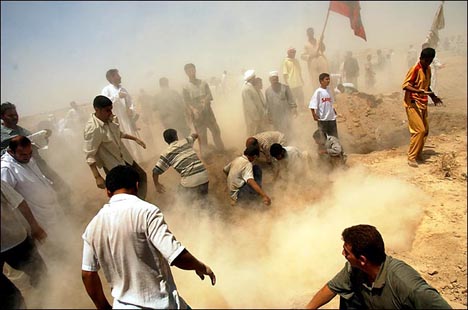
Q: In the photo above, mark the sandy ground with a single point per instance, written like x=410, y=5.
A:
x=281, y=257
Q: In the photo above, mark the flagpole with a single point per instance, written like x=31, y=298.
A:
x=323, y=31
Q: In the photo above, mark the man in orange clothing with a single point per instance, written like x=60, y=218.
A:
x=417, y=87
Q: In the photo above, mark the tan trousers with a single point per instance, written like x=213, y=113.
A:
x=419, y=129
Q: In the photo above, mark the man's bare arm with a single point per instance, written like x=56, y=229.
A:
x=321, y=298
x=258, y=189
x=187, y=261
x=93, y=286
x=36, y=230
x=138, y=141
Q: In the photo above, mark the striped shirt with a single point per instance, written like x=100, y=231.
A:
x=185, y=161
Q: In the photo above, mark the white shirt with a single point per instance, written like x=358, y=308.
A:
x=322, y=103
x=130, y=240
x=120, y=107
x=13, y=229
x=238, y=171
x=36, y=189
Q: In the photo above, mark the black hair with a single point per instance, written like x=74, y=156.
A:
x=101, y=102
x=323, y=75
x=428, y=52
x=122, y=177
x=365, y=240
x=170, y=135
x=276, y=149
x=17, y=141
x=252, y=151
x=6, y=106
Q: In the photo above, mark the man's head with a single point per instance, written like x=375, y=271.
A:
x=113, y=77
x=252, y=152
x=427, y=56
x=274, y=79
x=277, y=151
x=20, y=148
x=363, y=244
x=257, y=83
x=170, y=135
x=319, y=136
x=341, y=88
x=163, y=82
x=324, y=79
x=9, y=115
x=122, y=178
x=251, y=141
x=103, y=108
x=310, y=33
x=190, y=70
x=291, y=52
x=73, y=105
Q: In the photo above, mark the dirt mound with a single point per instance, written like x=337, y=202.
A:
x=371, y=122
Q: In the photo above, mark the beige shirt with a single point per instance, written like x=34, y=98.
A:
x=239, y=171
x=292, y=69
x=103, y=144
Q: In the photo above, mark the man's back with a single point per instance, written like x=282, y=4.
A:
x=132, y=243
x=181, y=155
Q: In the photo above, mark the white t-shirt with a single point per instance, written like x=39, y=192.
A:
x=238, y=171
x=130, y=240
x=322, y=103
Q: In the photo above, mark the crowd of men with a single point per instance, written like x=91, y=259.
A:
x=129, y=238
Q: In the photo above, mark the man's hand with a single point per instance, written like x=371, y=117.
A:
x=100, y=182
x=38, y=233
x=194, y=136
x=436, y=100
x=205, y=270
x=160, y=188
x=141, y=143
x=122, y=94
x=266, y=200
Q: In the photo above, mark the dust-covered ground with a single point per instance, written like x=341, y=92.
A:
x=280, y=256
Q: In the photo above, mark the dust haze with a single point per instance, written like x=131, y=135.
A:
x=273, y=259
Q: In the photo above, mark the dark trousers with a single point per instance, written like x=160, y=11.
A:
x=328, y=127
x=143, y=184
x=246, y=192
x=26, y=258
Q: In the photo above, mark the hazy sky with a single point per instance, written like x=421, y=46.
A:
x=56, y=52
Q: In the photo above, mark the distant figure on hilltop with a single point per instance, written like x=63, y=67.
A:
x=314, y=56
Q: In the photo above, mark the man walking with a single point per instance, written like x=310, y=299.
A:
x=197, y=97
x=417, y=89
x=130, y=240
x=103, y=144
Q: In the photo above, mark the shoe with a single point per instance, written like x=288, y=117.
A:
x=420, y=159
x=412, y=163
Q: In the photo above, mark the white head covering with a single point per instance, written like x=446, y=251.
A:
x=273, y=73
x=249, y=74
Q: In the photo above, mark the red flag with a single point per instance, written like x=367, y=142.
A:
x=351, y=9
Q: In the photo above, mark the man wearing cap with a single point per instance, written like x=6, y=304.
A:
x=280, y=104
x=254, y=106
x=293, y=76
